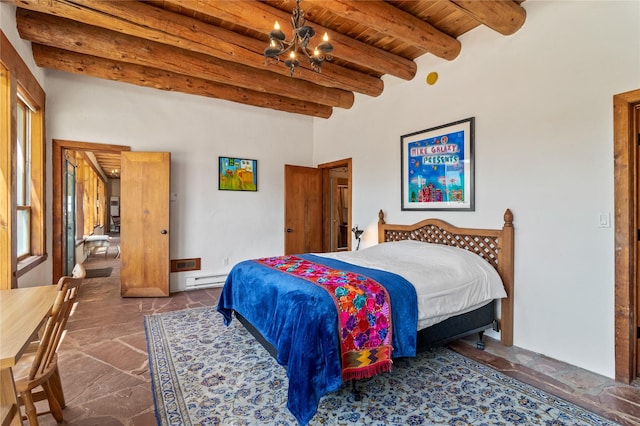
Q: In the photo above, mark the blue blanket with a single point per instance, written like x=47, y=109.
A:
x=300, y=320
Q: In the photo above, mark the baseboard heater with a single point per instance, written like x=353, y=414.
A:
x=204, y=281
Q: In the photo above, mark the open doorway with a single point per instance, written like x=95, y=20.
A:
x=317, y=212
x=339, y=195
x=337, y=205
x=65, y=193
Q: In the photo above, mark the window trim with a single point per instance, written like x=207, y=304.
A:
x=17, y=80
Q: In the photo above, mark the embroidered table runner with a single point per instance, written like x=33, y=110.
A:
x=364, y=313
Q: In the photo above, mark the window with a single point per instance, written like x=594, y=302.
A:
x=23, y=181
x=22, y=167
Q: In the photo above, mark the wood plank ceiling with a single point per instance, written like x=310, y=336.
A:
x=215, y=48
x=109, y=162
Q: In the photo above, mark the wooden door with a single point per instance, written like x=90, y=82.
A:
x=144, y=224
x=303, y=209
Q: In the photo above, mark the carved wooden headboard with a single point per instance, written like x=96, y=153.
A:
x=493, y=245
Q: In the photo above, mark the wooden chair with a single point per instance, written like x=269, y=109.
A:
x=78, y=272
x=40, y=367
x=116, y=223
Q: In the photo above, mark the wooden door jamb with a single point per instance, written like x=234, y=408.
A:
x=626, y=234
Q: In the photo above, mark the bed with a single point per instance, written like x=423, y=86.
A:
x=295, y=305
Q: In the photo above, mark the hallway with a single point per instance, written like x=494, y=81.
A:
x=104, y=367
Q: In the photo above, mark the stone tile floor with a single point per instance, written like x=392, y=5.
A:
x=616, y=401
x=105, y=373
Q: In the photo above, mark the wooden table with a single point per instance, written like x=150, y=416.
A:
x=22, y=312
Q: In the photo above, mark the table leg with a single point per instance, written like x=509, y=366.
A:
x=9, y=406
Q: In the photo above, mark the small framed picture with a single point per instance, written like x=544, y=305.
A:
x=237, y=174
x=437, y=167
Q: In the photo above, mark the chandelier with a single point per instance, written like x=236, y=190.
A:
x=300, y=44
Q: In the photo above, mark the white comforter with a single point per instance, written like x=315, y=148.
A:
x=448, y=280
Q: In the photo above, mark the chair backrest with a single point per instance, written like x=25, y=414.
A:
x=78, y=271
x=68, y=289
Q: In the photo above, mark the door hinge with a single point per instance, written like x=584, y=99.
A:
x=638, y=333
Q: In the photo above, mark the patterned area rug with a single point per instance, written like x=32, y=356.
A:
x=204, y=373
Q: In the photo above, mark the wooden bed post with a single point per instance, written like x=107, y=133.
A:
x=505, y=269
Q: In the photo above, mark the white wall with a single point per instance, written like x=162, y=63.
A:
x=542, y=100
x=205, y=222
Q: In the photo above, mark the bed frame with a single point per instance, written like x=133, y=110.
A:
x=493, y=245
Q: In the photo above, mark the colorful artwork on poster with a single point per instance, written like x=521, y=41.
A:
x=437, y=168
x=238, y=174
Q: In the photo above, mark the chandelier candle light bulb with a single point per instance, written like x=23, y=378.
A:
x=302, y=34
x=325, y=46
x=292, y=62
x=276, y=33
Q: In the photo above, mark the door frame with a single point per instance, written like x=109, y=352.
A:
x=57, y=157
x=626, y=170
x=66, y=191
x=326, y=200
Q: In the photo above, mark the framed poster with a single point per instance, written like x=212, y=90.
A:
x=237, y=174
x=437, y=167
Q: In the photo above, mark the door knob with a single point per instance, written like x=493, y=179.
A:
x=164, y=231
x=289, y=230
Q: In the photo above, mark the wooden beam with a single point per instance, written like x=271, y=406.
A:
x=390, y=20
x=152, y=23
x=78, y=63
x=76, y=37
x=503, y=16
x=260, y=17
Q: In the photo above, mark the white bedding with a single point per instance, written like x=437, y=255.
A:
x=448, y=280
